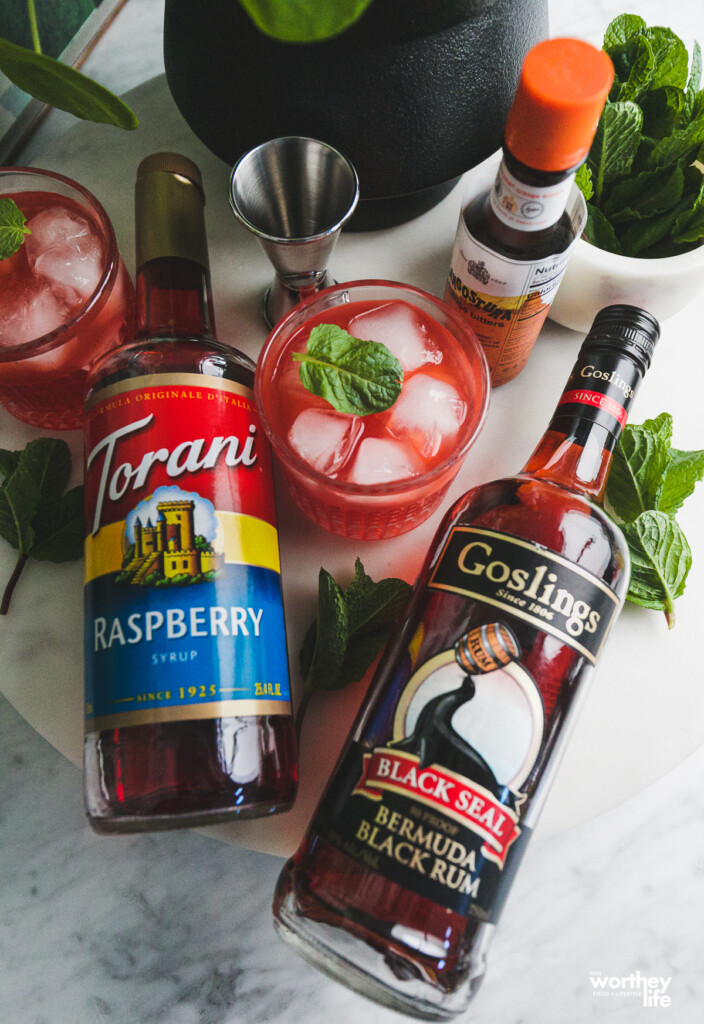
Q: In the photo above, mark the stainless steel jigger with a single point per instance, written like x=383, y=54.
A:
x=294, y=194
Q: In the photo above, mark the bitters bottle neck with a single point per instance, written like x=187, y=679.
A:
x=174, y=299
x=527, y=200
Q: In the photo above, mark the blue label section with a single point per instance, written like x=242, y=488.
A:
x=180, y=646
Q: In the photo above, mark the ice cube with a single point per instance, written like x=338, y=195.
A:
x=427, y=414
x=324, y=439
x=64, y=249
x=400, y=327
x=25, y=316
x=382, y=460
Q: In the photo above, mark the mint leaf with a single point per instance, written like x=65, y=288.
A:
x=689, y=226
x=660, y=561
x=351, y=629
x=695, y=78
x=620, y=30
x=325, y=655
x=634, y=69
x=662, y=109
x=645, y=233
x=304, y=21
x=62, y=86
x=36, y=517
x=354, y=376
x=677, y=146
x=615, y=144
x=639, y=462
x=670, y=56
x=13, y=228
x=599, y=230
x=583, y=181
x=58, y=528
x=683, y=471
x=661, y=425
x=644, y=195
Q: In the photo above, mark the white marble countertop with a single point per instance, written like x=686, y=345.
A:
x=176, y=928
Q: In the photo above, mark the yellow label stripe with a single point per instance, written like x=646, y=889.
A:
x=189, y=712
x=246, y=540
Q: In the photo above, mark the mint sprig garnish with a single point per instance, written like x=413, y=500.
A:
x=351, y=628
x=354, y=376
x=36, y=517
x=13, y=228
x=643, y=180
x=648, y=483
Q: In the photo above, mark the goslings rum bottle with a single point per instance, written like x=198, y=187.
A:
x=399, y=882
x=188, y=716
x=513, y=241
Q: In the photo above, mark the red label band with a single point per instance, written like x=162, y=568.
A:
x=599, y=401
x=457, y=797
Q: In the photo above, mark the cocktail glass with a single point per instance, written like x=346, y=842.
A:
x=65, y=298
x=376, y=476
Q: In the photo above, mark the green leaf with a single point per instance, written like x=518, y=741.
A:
x=364, y=621
x=662, y=110
x=354, y=376
x=62, y=86
x=50, y=461
x=13, y=228
x=634, y=70
x=689, y=226
x=661, y=425
x=683, y=471
x=328, y=651
x=644, y=195
x=8, y=462
x=670, y=55
x=58, y=528
x=304, y=21
x=695, y=78
x=677, y=146
x=639, y=462
x=660, y=561
x=645, y=233
x=599, y=230
x=583, y=181
x=620, y=30
x=615, y=144
x=19, y=500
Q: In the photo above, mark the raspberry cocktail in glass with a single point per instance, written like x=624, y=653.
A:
x=378, y=475
x=65, y=298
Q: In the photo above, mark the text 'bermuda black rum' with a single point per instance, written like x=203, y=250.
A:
x=401, y=877
x=188, y=716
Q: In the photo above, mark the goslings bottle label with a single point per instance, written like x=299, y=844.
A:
x=184, y=615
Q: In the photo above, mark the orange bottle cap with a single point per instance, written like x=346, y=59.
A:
x=561, y=93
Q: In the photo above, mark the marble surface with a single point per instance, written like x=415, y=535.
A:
x=175, y=929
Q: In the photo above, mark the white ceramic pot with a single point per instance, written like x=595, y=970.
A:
x=595, y=278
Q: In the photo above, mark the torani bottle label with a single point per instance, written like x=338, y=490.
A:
x=184, y=614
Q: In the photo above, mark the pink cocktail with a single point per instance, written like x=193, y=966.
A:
x=65, y=298
x=381, y=474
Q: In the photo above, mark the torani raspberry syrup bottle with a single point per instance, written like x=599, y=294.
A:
x=188, y=716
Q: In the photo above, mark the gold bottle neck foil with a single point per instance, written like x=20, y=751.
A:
x=169, y=212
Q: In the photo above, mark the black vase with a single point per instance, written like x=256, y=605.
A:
x=415, y=93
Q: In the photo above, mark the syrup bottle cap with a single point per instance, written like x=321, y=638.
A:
x=561, y=92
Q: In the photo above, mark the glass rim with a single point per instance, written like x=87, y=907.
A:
x=291, y=459
x=100, y=294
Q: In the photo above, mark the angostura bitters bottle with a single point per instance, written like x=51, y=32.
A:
x=401, y=877
x=188, y=716
x=514, y=240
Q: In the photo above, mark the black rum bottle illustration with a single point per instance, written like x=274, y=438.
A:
x=400, y=879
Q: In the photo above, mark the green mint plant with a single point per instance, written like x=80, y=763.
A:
x=354, y=376
x=644, y=176
x=13, y=228
x=58, y=84
x=648, y=484
x=36, y=517
x=351, y=628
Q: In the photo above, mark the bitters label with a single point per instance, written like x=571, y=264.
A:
x=184, y=615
